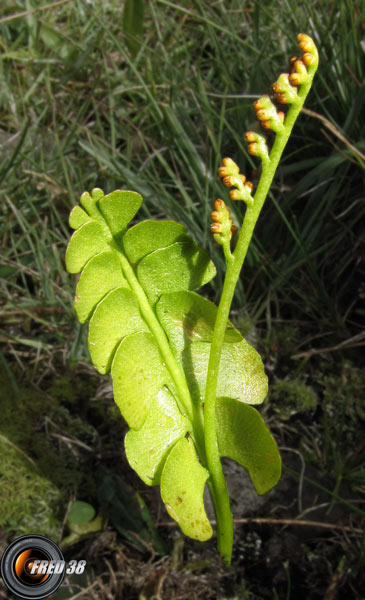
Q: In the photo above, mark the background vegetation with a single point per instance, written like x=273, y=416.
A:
x=150, y=96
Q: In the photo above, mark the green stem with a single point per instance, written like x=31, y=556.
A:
x=218, y=484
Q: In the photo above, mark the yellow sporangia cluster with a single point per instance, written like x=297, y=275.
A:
x=232, y=177
x=222, y=226
x=285, y=91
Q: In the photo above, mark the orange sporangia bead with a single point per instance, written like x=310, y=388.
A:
x=229, y=181
x=249, y=185
x=308, y=59
x=280, y=83
x=216, y=228
x=299, y=67
x=219, y=204
x=232, y=180
x=250, y=136
x=228, y=162
x=305, y=42
x=262, y=115
x=235, y=195
x=214, y=215
x=262, y=102
x=266, y=124
x=257, y=105
x=294, y=78
x=281, y=98
x=253, y=149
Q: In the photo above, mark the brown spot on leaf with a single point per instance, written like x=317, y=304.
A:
x=179, y=499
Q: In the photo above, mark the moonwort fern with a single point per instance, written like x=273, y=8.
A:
x=183, y=376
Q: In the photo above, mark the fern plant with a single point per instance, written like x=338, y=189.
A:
x=184, y=378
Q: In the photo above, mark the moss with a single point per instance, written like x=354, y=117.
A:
x=343, y=407
x=63, y=389
x=30, y=502
x=290, y=397
x=38, y=467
